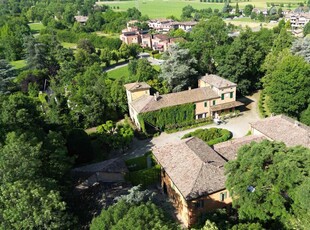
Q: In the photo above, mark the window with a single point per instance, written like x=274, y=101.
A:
x=223, y=196
x=230, y=110
x=231, y=94
x=199, y=116
x=214, y=102
x=223, y=95
x=194, y=106
x=199, y=204
x=206, y=104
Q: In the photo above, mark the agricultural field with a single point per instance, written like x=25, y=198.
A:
x=165, y=8
x=160, y=8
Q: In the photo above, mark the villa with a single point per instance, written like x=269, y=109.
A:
x=213, y=96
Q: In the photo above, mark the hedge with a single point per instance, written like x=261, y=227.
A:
x=139, y=163
x=144, y=177
x=211, y=136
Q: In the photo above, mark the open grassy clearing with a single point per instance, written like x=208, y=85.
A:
x=253, y=24
x=123, y=72
x=18, y=64
x=36, y=27
x=68, y=45
x=161, y=8
x=164, y=8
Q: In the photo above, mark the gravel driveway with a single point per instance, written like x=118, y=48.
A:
x=239, y=126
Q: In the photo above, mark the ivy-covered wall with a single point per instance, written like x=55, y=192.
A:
x=168, y=116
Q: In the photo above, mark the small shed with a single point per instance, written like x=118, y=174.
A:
x=112, y=170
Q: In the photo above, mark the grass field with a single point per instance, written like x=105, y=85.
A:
x=18, y=64
x=255, y=25
x=161, y=8
x=123, y=72
x=164, y=8
x=36, y=27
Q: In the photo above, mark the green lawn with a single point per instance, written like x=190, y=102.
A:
x=36, y=27
x=69, y=45
x=164, y=8
x=123, y=72
x=18, y=64
x=160, y=8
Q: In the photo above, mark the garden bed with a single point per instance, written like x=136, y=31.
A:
x=211, y=136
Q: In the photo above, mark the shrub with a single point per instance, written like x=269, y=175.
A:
x=211, y=136
x=144, y=177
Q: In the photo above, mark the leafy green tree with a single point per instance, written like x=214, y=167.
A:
x=116, y=136
x=132, y=211
x=284, y=40
x=118, y=98
x=27, y=205
x=247, y=226
x=305, y=116
x=88, y=98
x=306, y=29
x=205, y=38
x=11, y=38
x=241, y=62
x=124, y=51
x=187, y=12
x=106, y=56
x=301, y=207
x=145, y=70
x=287, y=83
x=19, y=112
x=264, y=178
x=133, y=13
x=178, y=70
x=86, y=45
x=248, y=10
x=22, y=152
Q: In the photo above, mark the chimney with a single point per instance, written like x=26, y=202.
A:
x=296, y=123
x=189, y=88
x=156, y=96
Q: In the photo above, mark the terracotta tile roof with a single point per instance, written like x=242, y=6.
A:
x=161, y=37
x=228, y=105
x=115, y=165
x=148, y=103
x=229, y=149
x=137, y=86
x=194, y=167
x=283, y=128
x=217, y=81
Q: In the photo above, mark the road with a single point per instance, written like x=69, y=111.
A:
x=239, y=126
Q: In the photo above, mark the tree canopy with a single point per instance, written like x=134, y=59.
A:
x=265, y=181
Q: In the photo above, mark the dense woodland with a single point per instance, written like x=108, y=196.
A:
x=45, y=107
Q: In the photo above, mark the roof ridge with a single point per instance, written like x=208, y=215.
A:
x=194, y=183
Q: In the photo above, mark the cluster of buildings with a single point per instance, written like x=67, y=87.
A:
x=159, y=41
x=192, y=172
x=298, y=20
x=213, y=96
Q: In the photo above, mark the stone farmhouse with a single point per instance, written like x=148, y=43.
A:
x=213, y=96
x=192, y=173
